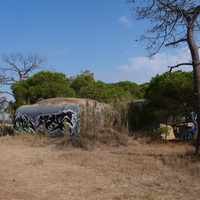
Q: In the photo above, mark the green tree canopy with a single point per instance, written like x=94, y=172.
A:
x=85, y=86
x=171, y=94
x=82, y=80
x=97, y=91
x=42, y=85
x=130, y=87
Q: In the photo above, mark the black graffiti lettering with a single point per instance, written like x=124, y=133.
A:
x=51, y=122
x=71, y=120
x=23, y=123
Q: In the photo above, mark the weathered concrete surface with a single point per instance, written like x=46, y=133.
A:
x=56, y=113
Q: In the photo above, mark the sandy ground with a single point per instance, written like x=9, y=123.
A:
x=42, y=171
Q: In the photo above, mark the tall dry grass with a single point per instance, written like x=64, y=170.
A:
x=98, y=124
x=187, y=162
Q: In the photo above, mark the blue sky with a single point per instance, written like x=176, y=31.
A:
x=82, y=35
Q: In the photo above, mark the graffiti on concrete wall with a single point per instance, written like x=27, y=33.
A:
x=56, y=121
x=22, y=123
x=49, y=122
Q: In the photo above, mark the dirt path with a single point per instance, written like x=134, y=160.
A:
x=138, y=171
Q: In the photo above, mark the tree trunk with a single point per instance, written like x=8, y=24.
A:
x=196, y=70
x=196, y=75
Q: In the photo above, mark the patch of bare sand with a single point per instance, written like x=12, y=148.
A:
x=138, y=171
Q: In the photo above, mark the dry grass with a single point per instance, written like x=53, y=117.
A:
x=33, y=169
x=89, y=139
x=187, y=162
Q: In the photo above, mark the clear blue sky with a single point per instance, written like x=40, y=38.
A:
x=81, y=35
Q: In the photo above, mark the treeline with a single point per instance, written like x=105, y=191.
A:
x=169, y=95
x=47, y=84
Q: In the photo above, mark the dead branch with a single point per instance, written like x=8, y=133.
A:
x=176, y=42
x=178, y=65
x=21, y=65
x=5, y=92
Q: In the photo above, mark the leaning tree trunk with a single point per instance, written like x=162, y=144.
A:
x=196, y=75
x=196, y=71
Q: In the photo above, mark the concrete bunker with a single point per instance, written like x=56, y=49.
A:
x=60, y=115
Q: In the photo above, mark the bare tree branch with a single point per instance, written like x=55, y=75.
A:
x=178, y=65
x=5, y=92
x=176, y=42
x=169, y=21
x=19, y=66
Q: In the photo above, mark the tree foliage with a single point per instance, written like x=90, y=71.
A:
x=85, y=86
x=166, y=96
x=97, y=90
x=130, y=88
x=171, y=95
x=46, y=84
x=42, y=85
x=80, y=81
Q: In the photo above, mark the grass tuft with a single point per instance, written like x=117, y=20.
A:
x=187, y=162
x=88, y=140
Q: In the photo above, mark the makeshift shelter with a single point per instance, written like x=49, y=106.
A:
x=169, y=135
